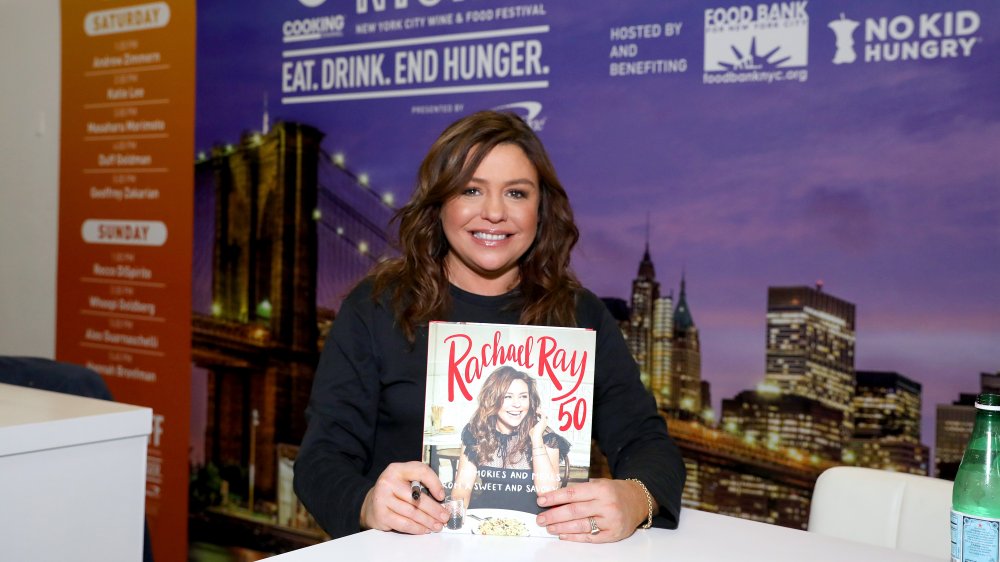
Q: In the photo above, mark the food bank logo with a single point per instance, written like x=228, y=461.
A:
x=761, y=37
x=904, y=37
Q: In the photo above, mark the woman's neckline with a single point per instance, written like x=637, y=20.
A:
x=483, y=300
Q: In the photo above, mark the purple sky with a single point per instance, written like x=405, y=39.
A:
x=881, y=179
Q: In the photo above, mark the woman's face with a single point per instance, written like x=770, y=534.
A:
x=514, y=407
x=492, y=222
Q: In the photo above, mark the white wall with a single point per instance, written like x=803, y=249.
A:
x=29, y=175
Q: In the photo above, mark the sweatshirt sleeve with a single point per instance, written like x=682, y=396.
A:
x=336, y=450
x=627, y=425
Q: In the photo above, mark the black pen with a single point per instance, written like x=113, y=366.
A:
x=415, y=487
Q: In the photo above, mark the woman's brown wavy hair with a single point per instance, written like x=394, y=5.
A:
x=417, y=283
x=484, y=421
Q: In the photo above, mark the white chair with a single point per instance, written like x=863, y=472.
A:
x=901, y=511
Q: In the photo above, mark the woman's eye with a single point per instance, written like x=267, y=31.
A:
x=517, y=194
x=471, y=191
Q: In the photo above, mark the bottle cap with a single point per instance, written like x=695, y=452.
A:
x=988, y=401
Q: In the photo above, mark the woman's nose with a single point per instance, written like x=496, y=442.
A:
x=494, y=209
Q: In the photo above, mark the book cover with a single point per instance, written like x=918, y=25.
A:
x=507, y=414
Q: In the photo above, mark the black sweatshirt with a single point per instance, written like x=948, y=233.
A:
x=367, y=406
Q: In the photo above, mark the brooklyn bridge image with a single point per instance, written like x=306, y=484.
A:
x=285, y=230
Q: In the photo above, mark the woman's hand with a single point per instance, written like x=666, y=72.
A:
x=538, y=430
x=617, y=506
x=389, y=505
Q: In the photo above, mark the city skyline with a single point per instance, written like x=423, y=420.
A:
x=813, y=402
x=749, y=378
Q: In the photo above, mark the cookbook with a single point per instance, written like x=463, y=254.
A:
x=507, y=415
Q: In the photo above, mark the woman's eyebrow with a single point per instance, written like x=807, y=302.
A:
x=508, y=183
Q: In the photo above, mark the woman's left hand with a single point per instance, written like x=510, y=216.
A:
x=617, y=506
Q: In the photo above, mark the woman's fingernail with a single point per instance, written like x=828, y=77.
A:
x=541, y=521
x=542, y=500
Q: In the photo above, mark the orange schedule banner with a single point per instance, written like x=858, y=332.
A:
x=125, y=223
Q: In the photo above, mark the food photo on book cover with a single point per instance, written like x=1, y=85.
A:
x=507, y=415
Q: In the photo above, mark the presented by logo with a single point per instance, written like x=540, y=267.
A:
x=528, y=110
x=312, y=3
x=843, y=29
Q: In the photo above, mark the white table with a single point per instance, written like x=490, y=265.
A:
x=702, y=537
x=72, y=477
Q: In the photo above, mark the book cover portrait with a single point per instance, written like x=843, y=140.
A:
x=507, y=415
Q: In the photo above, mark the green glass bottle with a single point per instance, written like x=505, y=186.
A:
x=975, y=498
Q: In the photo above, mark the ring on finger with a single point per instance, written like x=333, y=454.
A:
x=594, y=529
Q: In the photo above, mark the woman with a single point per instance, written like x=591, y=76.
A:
x=508, y=441
x=486, y=237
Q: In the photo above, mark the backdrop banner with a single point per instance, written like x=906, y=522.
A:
x=771, y=196
x=125, y=200
x=845, y=148
x=751, y=144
